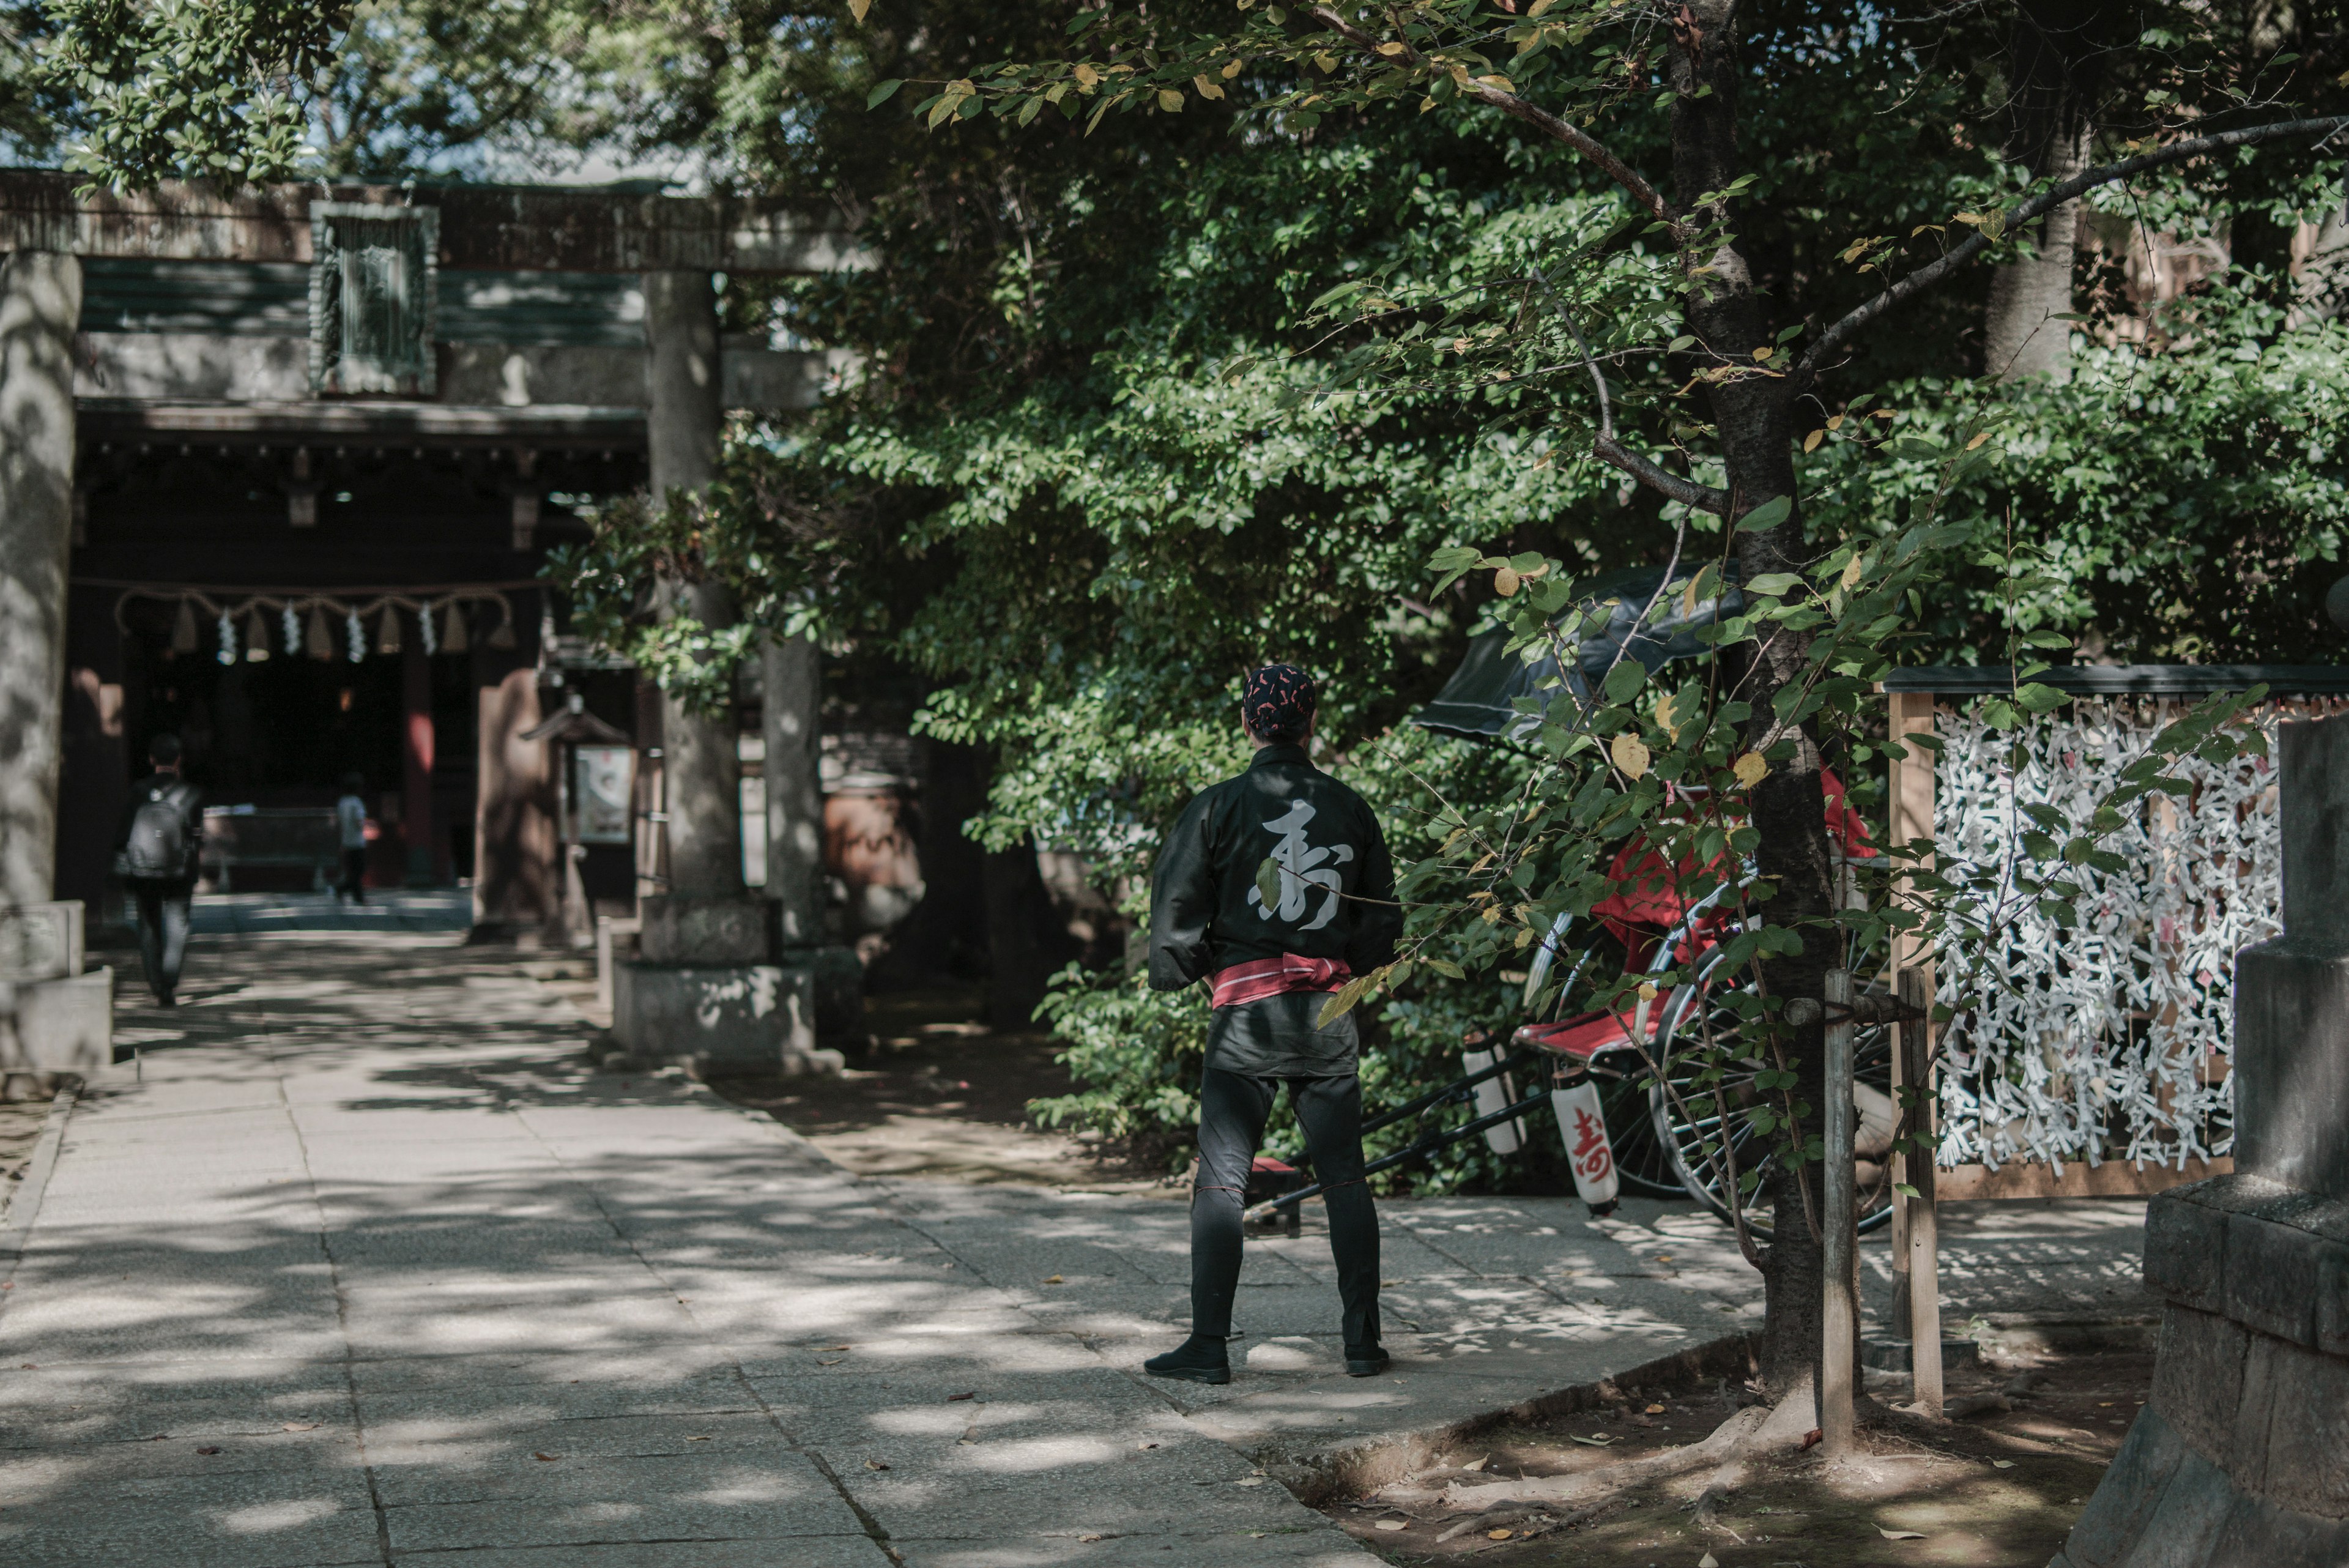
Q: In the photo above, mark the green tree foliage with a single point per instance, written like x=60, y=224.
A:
x=2186, y=505
x=1171, y=367
x=190, y=89
x=438, y=87
x=1416, y=336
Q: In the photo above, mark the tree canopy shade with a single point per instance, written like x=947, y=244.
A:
x=1181, y=368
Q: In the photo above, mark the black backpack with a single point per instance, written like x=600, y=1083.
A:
x=159, y=843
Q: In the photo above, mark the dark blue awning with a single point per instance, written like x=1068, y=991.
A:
x=1478, y=701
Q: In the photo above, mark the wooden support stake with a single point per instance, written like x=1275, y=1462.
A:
x=1839, y=1305
x=1915, y=1294
x=1923, y=1242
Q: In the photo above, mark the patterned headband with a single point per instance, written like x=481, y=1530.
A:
x=1278, y=702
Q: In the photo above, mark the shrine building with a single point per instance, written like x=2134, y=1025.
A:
x=322, y=438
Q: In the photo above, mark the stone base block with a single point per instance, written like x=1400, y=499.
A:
x=703, y=930
x=58, y=1025
x=719, y=1020
x=2164, y=1505
x=1901, y=1355
x=2238, y=1457
x=41, y=941
x=615, y=938
x=2269, y=1257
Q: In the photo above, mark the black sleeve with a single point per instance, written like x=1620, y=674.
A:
x=1378, y=919
x=1181, y=902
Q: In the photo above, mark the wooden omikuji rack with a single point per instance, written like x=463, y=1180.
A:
x=1915, y=696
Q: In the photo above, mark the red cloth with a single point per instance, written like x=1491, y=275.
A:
x=1587, y=1034
x=1260, y=978
x=1652, y=903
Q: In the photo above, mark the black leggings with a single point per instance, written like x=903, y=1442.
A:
x=162, y=932
x=1233, y=1109
x=353, y=883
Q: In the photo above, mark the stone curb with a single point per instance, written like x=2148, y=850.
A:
x=23, y=1209
x=1320, y=1475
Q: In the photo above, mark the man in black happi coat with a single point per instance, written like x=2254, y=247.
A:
x=1271, y=965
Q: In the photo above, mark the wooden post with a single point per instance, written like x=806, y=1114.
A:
x=1839, y=1303
x=422, y=867
x=1916, y=1281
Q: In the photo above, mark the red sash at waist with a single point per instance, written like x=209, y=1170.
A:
x=1259, y=978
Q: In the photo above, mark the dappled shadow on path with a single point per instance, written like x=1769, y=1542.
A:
x=362, y=1261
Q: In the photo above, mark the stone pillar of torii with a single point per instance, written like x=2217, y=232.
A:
x=53, y=1017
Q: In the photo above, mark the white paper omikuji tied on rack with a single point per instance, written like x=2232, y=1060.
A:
x=2110, y=1037
x=355, y=636
x=1495, y=1095
x=1582, y=1123
x=293, y=629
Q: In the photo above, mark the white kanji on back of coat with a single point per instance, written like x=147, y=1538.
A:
x=1303, y=866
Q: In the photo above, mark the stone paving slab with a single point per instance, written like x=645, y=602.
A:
x=370, y=1189
x=362, y=1219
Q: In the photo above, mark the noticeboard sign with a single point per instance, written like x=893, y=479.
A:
x=602, y=791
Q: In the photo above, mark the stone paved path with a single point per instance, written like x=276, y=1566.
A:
x=361, y=1264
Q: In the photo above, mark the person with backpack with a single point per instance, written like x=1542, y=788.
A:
x=350, y=823
x=155, y=855
x=1274, y=887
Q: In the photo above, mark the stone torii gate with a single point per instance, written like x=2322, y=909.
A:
x=723, y=979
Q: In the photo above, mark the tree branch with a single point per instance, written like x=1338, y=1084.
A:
x=1687, y=492
x=1973, y=244
x=1509, y=103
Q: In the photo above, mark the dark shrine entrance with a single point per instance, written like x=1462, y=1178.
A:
x=276, y=733
x=298, y=612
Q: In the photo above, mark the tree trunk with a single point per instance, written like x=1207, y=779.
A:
x=2056, y=48
x=2020, y=337
x=1757, y=442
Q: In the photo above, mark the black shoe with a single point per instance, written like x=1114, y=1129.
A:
x=1366, y=1360
x=165, y=999
x=1197, y=1359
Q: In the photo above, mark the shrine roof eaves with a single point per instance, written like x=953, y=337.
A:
x=358, y=423
x=493, y=227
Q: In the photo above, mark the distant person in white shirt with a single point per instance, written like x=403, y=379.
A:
x=350, y=818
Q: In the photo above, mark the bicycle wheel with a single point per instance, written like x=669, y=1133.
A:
x=1688, y=1120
